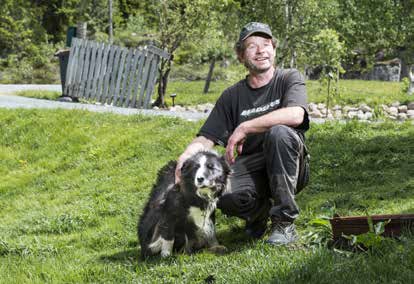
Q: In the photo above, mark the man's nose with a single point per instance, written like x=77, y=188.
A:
x=260, y=49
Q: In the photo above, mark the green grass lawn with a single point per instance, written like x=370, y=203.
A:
x=39, y=94
x=351, y=92
x=73, y=184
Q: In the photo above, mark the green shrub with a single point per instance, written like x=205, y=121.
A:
x=37, y=65
x=405, y=85
x=195, y=72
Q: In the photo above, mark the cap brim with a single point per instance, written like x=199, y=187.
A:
x=266, y=34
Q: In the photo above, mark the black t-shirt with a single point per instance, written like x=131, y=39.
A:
x=240, y=103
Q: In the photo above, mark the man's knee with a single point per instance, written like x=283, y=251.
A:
x=280, y=135
x=240, y=203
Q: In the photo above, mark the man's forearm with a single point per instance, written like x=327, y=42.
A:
x=290, y=116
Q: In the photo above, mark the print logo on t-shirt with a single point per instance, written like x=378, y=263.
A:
x=261, y=109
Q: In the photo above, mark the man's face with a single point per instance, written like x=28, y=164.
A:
x=259, y=54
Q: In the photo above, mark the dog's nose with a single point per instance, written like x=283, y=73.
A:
x=200, y=179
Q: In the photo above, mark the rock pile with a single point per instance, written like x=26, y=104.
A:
x=206, y=108
x=395, y=111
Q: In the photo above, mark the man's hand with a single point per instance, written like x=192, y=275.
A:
x=180, y=163
x=290, y=116
x=199, y=143
x=236, y=140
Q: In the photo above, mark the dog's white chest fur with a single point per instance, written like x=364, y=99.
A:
x=199, y=216
x=203, y=221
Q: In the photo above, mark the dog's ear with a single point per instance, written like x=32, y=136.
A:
x=187, y=166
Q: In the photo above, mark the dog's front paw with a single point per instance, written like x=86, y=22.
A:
x=218, y=249
x=165, y=253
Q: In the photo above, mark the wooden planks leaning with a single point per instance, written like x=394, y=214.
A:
x=111, y=74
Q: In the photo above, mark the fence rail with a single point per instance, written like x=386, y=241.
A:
x=111, y=74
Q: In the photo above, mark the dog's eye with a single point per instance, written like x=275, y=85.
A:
x=210, y=166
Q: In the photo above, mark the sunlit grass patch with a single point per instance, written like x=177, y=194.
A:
x=39, y=94
x=74, y=183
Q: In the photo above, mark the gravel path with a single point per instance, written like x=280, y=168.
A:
x=10, y=101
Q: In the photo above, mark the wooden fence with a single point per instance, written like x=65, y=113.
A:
x=111, y=74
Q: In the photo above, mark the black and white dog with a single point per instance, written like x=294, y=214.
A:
x=180, y=217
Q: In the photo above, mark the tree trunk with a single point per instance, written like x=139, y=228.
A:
x=210, y=74
x=287, y=30
x=288, y=9
x=111, y=33
x=81, y=29
x=411, y=78
x=164, y=72
x=293, y=58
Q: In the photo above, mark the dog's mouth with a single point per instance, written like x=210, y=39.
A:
x=205, y=184
x=208, y=192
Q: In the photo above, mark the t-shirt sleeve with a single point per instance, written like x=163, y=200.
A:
x=218, y=125
x=295, y=94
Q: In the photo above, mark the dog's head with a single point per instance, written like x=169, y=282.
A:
x=207, y=173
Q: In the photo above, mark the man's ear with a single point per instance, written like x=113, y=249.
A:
x=240, y=57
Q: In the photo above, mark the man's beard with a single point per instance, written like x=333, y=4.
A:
x=256, y=69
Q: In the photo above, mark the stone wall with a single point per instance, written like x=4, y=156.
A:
x=394, y=111
x=385, y=71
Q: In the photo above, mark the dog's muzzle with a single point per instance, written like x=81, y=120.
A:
x=202, y=182
x=210, y=192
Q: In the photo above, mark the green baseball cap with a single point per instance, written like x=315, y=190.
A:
x=253, y=28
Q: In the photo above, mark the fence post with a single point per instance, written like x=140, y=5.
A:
x=63, y=56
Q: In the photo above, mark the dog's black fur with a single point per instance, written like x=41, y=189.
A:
x=180, y=216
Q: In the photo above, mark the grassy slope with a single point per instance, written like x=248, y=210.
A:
x=73, y=184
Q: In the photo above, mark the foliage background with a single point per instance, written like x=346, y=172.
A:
x=32, y=31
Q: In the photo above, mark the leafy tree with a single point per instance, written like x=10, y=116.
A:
x=367, y=27
x=215, y=46
x=217, y=42
x=293, y=22
x=180, y=20
x=58, y=15
x=19, y=29
x=405, y=44
x=329, y=51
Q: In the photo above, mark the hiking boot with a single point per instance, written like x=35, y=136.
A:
x=282, y=233
x=256, y=229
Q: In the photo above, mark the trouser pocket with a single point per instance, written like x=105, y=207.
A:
x=304, y=170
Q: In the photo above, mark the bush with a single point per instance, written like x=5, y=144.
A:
x=37, y=65
x=134, y=33
x=405, y=85
x=190, y=72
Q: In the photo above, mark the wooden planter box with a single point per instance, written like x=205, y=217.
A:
x=356, y=225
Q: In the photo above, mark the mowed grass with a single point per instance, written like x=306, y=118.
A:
x=39, y=94
x=73, y=184
x=351, y=92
